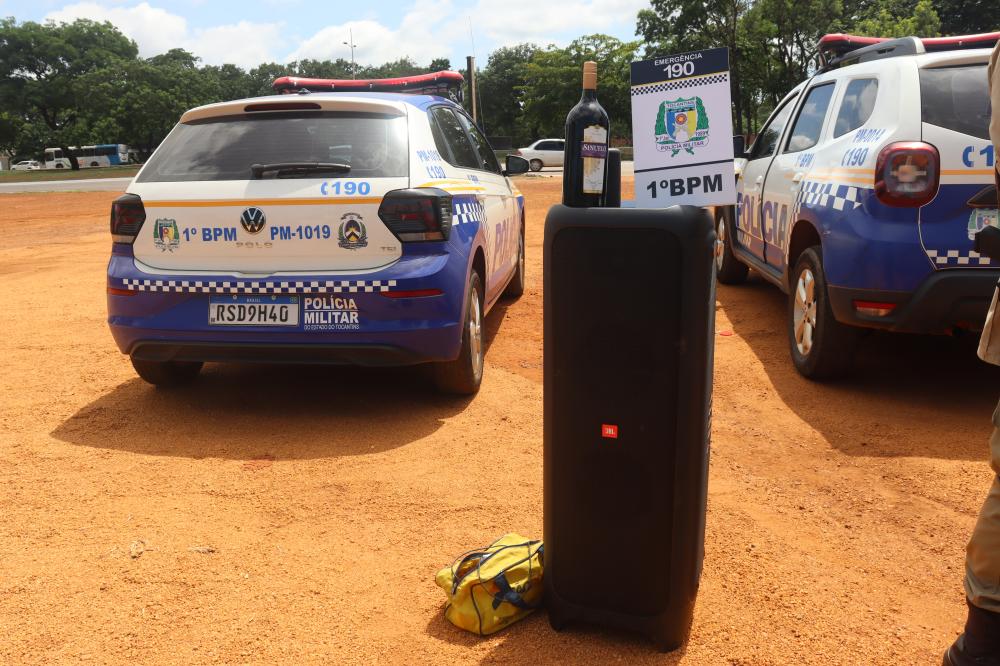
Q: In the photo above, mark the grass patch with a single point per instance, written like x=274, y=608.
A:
x=67, y=174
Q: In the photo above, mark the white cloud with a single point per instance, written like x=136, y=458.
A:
x=428, y=29
x=516, y=21
x=156, y=31
x=420, y=36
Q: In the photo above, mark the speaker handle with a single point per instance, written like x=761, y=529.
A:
x=613, y=186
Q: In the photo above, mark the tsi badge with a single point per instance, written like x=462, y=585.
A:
x=681, y=125
x=165, y=235
x=352, y=234
x=253, y=220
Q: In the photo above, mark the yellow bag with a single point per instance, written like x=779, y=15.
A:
x=490, y=588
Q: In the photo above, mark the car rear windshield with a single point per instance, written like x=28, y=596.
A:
x=956, y=98
x=224, y=148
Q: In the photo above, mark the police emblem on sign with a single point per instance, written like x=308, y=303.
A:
x=681, y=125
x=982, y=218
x=165, y=235
x=352, y=234
x=253, y=220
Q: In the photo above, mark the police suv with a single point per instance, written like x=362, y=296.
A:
x=862, y=193
x=354, y=227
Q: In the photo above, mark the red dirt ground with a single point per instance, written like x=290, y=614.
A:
x=298, y=515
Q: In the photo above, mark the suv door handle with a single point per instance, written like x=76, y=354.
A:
x=760, y=179
x=799, y=175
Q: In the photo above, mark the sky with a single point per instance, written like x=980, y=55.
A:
x=255, y=31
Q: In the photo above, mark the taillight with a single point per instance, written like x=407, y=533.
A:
x=127, y=216
x=516, y=152
x=874, y=308
x=417, y=215
x=907, y=174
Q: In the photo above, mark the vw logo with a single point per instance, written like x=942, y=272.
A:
x=253, y=220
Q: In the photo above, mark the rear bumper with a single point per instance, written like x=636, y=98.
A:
x=248, y=352
x=159, y=317
x=946, y=300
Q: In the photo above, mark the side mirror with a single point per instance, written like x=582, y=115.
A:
x=739, y=146
x=515, y=165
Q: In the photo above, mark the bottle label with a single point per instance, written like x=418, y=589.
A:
x=594, y=150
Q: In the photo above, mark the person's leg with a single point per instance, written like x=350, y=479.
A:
x=980, y=644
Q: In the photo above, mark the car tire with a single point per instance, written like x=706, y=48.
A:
x=464, y=375
x=535, y=164
x=59, y=166
x=515, y=288
x=728, y=269
x=167, y=373
x=821, y=346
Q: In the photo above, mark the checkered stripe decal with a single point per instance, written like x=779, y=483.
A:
x=959, y=258
x=680, y=85
x=829, y=195
x=257, y=287
x=469, y=212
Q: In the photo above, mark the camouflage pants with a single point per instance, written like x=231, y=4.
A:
x=982, y=561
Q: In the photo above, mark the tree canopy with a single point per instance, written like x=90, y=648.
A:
x=83, y=82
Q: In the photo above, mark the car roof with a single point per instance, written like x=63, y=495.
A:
x=934, y=59
x=357, y=101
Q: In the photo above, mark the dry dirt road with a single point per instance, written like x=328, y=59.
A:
x=290, y=515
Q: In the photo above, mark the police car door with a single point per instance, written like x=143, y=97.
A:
x=501, y=233
x=785, y=178
x=749, y=187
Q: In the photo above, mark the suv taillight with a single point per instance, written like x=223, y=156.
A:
x=417, y=215
x=907, y=174
x=127, y=216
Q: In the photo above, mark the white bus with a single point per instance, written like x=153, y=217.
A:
x=102, y=155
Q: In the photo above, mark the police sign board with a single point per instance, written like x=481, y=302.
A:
x=682, y=130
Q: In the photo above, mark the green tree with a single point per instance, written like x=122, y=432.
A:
x=672, y=26
x=439, y=65
x=501, y=84
x=966, y=17
x=900, y=20
x=553, y=80
x=46, y=73
x=146, y=98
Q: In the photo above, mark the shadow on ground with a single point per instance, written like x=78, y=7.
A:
x=532, y=640
x=266, y=411
x=911, y=395
x=245, y=411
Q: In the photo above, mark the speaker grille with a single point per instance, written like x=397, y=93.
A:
x=615, y=300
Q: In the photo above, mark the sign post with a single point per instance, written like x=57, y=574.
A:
x=682, y=130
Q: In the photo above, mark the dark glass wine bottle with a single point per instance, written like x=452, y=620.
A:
x=585, y=162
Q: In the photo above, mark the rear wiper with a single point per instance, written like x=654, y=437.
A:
x=286, y=169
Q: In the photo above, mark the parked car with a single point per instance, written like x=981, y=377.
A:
x=862, y=193
x=359, y=228
x=26, y=165
x=543, y=153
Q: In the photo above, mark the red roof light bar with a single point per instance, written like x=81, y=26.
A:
x=443, y=83
x=838, y=44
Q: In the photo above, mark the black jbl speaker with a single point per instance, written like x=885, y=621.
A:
x=629, y=332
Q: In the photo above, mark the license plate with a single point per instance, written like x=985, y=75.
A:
x=253, y=311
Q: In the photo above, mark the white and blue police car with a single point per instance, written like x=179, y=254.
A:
x=352, y=227
x=863, y=191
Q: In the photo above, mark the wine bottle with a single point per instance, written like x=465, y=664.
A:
x=588, y=131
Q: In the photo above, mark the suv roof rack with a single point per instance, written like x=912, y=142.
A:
x=444, y=84
x=838, y=49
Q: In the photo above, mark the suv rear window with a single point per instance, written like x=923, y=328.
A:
x=956, y=98
x=374, y=145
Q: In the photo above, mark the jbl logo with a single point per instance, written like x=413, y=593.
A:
x=609, y=431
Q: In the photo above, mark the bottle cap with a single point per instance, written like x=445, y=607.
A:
x=590, y=75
